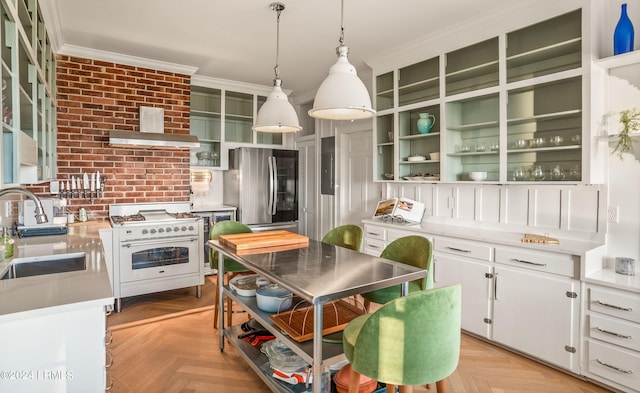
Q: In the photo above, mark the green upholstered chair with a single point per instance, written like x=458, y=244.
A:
x=412, y=340
x=411, y=250
x=231, y=267
x=347, y=236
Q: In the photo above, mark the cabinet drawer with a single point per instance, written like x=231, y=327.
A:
x=618, y=365
x=465, y=248
x=615, y=331
x=372, y=232
x=550, y=262
x=373, y=246
x=615, y=303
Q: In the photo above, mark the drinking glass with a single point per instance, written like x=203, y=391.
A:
x=519, y=174
x=495, y=146
x=538, y=173
x=556, y=140
x=480, y=147
x=538, y=142
x=557, y=173
x=576, y=139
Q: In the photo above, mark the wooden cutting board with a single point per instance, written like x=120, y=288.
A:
x=530, y=238
x=263, y=241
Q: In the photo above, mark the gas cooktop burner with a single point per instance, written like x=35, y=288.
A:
x=123, y=219
x=151, y=216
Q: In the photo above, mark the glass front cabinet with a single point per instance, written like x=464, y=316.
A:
x=222, y=115
x=28, y=95
x=510, y=107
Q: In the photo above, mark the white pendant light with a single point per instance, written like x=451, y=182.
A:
x=342, y=95
x=277, y=114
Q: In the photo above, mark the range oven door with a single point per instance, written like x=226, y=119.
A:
x=159, y=258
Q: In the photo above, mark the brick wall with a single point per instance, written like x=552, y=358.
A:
x=95, y=97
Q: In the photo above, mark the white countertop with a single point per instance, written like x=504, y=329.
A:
x=566, y=246
x=212, y=208
x=51, y=293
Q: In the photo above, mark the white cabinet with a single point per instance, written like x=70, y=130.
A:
x=222, y=115
x=476, y=282
x=28, y=95
x=55, y=351
x=537, y=314
x=377, y=237
x=510, y=105
x=612, y=337
x=524, y=299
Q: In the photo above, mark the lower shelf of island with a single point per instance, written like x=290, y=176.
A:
x=331, y=352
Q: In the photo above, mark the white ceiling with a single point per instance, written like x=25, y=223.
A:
x=236, y=39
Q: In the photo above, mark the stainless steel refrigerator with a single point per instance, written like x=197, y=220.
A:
x=263, y=185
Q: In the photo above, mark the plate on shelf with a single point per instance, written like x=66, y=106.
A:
x=416, y=158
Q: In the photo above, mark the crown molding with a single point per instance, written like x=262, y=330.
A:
x=88, y=53
x=226, y=84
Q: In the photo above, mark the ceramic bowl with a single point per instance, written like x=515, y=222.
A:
x=478, y=176
x=416, y=157
x=435, y=156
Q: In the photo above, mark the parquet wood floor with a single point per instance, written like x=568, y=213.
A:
x=165, y=343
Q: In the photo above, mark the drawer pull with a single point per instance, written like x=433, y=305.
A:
x=613, y=333
x=373, y=246
x=373, y=234
x=612, y=306
x=618, y=369
x=529, y=262
x=458, y=249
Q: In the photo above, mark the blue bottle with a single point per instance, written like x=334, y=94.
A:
x=623, y=34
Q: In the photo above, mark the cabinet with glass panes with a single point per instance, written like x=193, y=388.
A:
x=205, y=123
x=28, y=95
x=509, y=114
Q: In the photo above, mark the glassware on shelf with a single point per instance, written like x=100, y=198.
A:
x=521, y=144
x=463, y=148
x=538, y=142
x=576, y=139
x=574, y=174
x=537, y=173
x=494, y=146
x=556, y=140
x=481, y=147
x=557, y=173
x=390, y=136
x=519, y=174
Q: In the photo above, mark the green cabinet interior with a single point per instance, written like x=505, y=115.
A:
x=488, y=110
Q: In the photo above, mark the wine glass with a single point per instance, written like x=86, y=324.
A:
x=557, y=173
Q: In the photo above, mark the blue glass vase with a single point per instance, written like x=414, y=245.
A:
x=623, y=34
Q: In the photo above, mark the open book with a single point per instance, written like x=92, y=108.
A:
x=408, y=209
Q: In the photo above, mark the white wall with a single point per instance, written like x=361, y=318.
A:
x=623, y=237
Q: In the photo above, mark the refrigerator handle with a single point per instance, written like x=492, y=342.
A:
x=271, y=185
x=275, y=185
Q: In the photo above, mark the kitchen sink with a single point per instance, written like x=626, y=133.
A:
x=49, y=264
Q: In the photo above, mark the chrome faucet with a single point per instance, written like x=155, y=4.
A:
x=41, y=217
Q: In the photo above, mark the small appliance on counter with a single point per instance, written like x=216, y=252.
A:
x=54, y=208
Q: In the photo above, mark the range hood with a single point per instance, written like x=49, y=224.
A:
x=152, y=134
x=134, y=139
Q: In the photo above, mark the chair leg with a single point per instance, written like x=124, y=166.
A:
x=354, y=381
x=367, y=305
x=406, y=389
x=441, y=386
x=391, y=388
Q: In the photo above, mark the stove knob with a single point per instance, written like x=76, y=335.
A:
x=183, y=229
x=153, y=231
x=191, y=228
x=169, y=229
x=144, y=231
x=160, y=230
x=176, y=229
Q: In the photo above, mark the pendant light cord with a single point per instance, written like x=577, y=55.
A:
x=276, y=69
x=341, y=40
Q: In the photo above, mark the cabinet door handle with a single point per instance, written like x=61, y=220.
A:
x=613, y=333
x=458, y=249
x=372, y=246
x=618, y=369
x=495, y=286
x=529, y=262
x=613, y=306
x=373, y=234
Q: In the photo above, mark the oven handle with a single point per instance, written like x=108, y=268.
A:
x=163, y=241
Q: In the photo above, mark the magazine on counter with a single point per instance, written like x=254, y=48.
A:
x=410, y=210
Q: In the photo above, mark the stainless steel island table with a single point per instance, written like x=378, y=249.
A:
x=318, y=273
